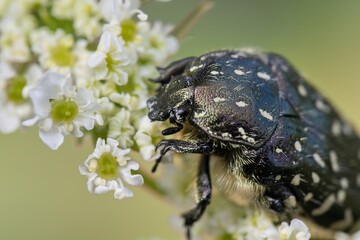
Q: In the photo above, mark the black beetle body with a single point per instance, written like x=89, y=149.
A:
x=270, y=127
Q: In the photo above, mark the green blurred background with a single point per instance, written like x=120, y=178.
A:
x=43, y=196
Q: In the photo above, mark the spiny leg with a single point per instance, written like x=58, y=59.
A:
x=203, y=195
x=181, y=147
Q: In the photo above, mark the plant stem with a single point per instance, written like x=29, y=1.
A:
x=184, y=27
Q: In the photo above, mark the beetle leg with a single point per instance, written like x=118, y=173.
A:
x=173, y=69
x=203, y=195
x=181, y=147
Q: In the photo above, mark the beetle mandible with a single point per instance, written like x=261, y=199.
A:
x=269, y=126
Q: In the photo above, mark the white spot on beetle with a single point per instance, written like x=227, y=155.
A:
x=296, y=180
x=358, y=180
x=266, y=115
x=241, y=104
x=199, y=114
x=241, y=131
x=238, y=72
x=214, y=73
x=278, y=177
x=344, y=182
x=298, y=146
x=319, y=160
x=251, y=140
x=336, y=128
x=263, y=75
x=219, y=99
x=341, y=196
x=315, y=177
x=308, y=196
x=334, y=161
x=325, y=206
x=193, y=68
x=322, y=106
x=302, y=90
x=278, y=150
x=344, y=223
x=290, y=201
x=226, y=135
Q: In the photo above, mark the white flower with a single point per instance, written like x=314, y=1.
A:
x=56, y=50
x=297, y=230
x=121, y=129
x=109, y=59
x=158, y=44
x=61, y=109
x=148, y=133
x=64, y=8
x=118, y=10
x=107, y=166
x=14, y=107
x=13, y=43
x=87, y=19
x=125, y=99
x=256, y=225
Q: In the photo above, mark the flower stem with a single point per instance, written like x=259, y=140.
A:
x=183, y=28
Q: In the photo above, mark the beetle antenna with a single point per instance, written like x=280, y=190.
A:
x=171, y=130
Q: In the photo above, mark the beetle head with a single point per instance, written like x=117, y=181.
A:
x=173, y=100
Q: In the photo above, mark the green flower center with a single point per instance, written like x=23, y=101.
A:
x=62, y=56
x=14, y=89
x=107, y=167
x=128, y=30
x=155, y=43
x=64, y=111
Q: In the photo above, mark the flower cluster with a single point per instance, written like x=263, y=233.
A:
x=76, y=67
x=234, y=222
x=81, y=67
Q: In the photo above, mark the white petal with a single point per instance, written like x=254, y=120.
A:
x=30, y=122
x=112, y=142
x=87, y=122
x=125, y=173
x=101, y=189
x=120, y=152
x=53, y=138
x=121, y=193
x=41, y=101
x=76, y=131
x=52, y=82
x=96, y=59
x=90, y=183
x=99, y=119
x=67, y=84
x=84, y=98
x=84, y=170
x=105, y=42
x=8, y=122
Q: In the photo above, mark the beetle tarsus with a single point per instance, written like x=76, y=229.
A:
x=203, y=193
x=157, y=162
x=181, y=147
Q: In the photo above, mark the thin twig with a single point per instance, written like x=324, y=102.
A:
x=184, y=27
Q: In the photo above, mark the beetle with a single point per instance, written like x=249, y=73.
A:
x=270, y=128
